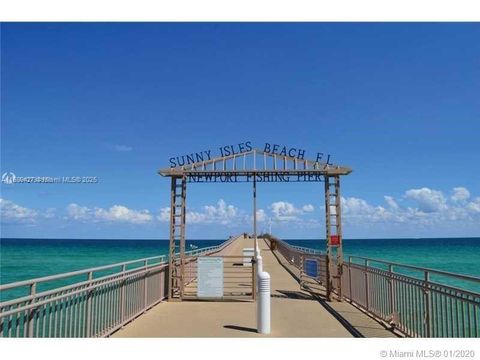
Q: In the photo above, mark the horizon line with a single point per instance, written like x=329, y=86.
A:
x=202, y=239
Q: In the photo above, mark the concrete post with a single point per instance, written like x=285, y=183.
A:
x=263, y=303
x=259, y=264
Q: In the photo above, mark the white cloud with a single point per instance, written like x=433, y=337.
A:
x=460, y=194
x=11, y=212
x=285, y=211
x=355, y=206
x=428, y=200
x=220, y=213
x=261, y=215
x=391, y=202
x=308, y=208
x=164, y=214
x=119, y=213
x=430, y=208
x=474, y=206
x=116, y=213
x=77, y=212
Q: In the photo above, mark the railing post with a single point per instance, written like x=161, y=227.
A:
x=254, y=279
x=350, y=278
x=145, y=282
x=31, y=313
x=88, y=315
x=391, y=293
x=366, y=285
x=122, y=296
x=426, y=296
x=302, y=260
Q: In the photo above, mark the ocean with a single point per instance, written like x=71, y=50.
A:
x=22, y=259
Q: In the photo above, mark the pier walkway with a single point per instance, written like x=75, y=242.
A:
x=294, y=313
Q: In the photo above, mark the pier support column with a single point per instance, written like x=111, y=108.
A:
x=333, y=225
x=176, y=268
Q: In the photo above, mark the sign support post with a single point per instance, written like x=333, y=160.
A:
x=176, y=268
x=333, y=223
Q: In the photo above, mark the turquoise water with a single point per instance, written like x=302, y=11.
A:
x=22, y=259
x=456, y=255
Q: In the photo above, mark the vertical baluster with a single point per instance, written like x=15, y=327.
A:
x=50, y=319
x=452, y=328
x=55, y=319
x=105, y=309
x=416, y=314
x=108, y=310
x=476, y=333
x=88, y=314
x=70, y=316
x=367, y=305
x=25, y=321
x=2, y=323
x=409, y=308
x=442, y=327
x=475, y=322
x=117, y=301
x=421, y=309
x=457, y=322
x=145, y=284
x=75, y=315
x=401, y=295
x=97, y=314
x=93, y=312
x=10, y=324
x=31, y=312
x=445, y=314
x=390, y=291
x=61, y=327
x=37, y=322
x=469, y=319
x=350, y=280
x=122, y=295
x=44, y=323
x=427, y=295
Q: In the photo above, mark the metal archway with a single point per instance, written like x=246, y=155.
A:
x=254, y=166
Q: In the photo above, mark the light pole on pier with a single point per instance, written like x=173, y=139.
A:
x=255, y=215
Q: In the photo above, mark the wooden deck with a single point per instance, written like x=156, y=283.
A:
x=295, y=313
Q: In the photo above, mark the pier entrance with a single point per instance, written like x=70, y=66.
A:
x=253, y=166
x=233, y=274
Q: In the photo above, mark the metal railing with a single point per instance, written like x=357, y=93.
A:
x=419, y=302
x=93, y=302
x=416, y=301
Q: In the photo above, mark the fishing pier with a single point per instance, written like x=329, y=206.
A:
x=217, y=291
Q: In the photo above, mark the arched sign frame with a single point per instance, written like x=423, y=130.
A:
x=252, y=166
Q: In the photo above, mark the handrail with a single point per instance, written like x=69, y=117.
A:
x=136, y=271
x=95, y=306
x=163, y=259
x=89, y=286
x=75, y=273
x=418, y=268
x=413, y=306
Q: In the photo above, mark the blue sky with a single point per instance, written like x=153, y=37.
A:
x=396, y=102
